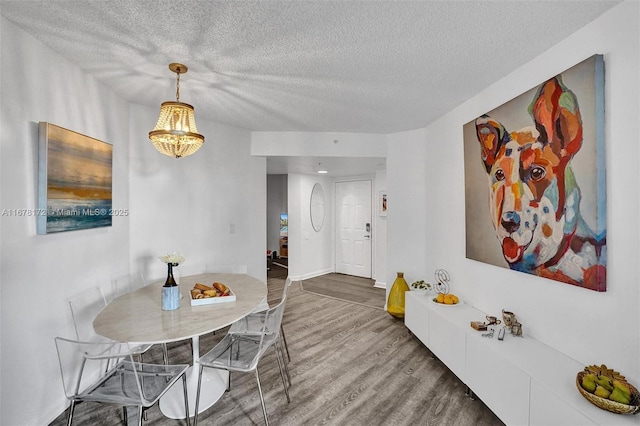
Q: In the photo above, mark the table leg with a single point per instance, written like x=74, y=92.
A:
x=214, y=384
x=131, y=414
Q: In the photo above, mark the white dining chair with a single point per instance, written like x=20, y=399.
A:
x=243, y=353
x=85, y=306
x=127, y=283
x=253, y=323
x=131, y=282
x=106, y=372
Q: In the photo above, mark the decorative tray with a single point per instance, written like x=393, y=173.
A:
x=198, y=295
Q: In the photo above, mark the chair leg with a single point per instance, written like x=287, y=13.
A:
x=142, y=412
x=280, y=362
x=140, y=415
x=165, y=354
x=280, y=350
x=264, y=408
x=71, y=408
x=186, y=398
x=284, y=339
x=229, y=363
x=195, y=414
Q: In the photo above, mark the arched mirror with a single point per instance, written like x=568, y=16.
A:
x=317, y=207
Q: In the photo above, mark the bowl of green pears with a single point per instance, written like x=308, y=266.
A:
x=608, y=389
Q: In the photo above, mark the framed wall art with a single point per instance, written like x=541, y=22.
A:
x=535, y=180
x=74, y=181
x=382, y=203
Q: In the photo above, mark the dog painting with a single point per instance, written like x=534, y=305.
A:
x=535, y=184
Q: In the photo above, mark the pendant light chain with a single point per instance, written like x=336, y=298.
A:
x=178, y=86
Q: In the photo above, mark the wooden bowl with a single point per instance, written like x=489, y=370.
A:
x=607, y=404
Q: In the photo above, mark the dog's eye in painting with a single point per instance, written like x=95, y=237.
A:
x=537, y=173
x=499, y=174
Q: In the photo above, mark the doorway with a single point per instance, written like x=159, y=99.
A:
x=353, y=228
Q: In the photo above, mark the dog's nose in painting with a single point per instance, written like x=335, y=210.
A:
x=510, y=221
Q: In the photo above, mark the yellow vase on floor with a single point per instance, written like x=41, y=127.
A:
x=395, y=302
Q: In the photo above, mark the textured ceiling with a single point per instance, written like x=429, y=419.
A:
x=339, y=66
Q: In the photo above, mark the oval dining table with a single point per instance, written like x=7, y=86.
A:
x=137, y=317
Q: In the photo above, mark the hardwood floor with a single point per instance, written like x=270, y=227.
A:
x=350, y=365
x=348, y=288
x=276, y=270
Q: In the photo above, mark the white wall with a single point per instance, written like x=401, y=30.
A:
x=190, y=205
x=39, y=273
x=409, y=179
x=319, y=144
x=591, y=327
x=379, y=233
x=211, y=207
x=310, y=252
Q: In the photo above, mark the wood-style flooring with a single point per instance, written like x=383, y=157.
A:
x=350, y=365
x=348, y=288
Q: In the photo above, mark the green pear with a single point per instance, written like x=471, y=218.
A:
x=605, y=383
x=589, y=382
x=622, y=386
x=618, y=395
x=601, y=392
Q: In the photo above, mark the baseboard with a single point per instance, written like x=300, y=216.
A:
x=56, y=411
x=378, y=284
x=310, y=275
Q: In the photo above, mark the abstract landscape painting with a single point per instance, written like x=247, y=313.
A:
x=74, y=185
x=535, y=180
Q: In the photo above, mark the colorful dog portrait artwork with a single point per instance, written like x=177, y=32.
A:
x=535, y=180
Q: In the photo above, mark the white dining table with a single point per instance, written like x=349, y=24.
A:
x=138, y=318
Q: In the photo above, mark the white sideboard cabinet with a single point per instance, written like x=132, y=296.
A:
x=523, y=381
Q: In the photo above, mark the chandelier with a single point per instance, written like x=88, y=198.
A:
x=175, y=133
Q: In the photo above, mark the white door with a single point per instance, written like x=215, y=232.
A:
x=353, y=228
